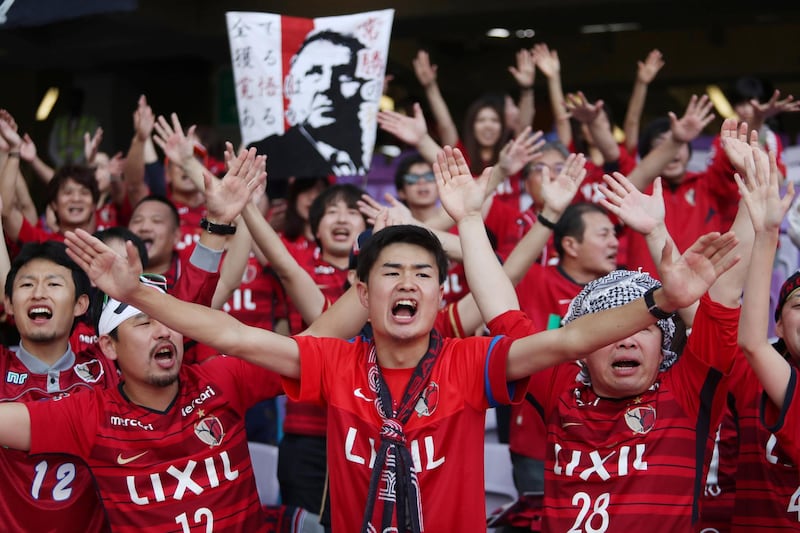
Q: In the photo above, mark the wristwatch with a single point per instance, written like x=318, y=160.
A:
x=217, y=229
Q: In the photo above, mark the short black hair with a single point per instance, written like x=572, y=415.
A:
x=53, y=251
x=80, y=174
x=571, y=223
x=346, y=192
x=745, y=89
x=176, y=217
x=655, y=128
x=407, y=234
x=402, y=169
x=294, y=227
x=121, y=233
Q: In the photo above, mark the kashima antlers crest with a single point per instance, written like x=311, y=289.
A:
x=641, y=419
x=90, y=372
x=210, y=431
x=428, y=400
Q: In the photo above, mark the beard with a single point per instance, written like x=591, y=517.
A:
x=163, y=380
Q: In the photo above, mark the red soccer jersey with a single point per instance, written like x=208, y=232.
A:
x=719, y=496
x=612, y=463
x=445, y=438
x=259, y=300
x=717, y=158
x=544, y=295
x=187, y=468
x=30, y=233
x=190, y=223
x=692, y=208
x=105, y=216
x=49, y=492
x=767, y=494
x=589, y=191
x=785, y=424
x=525, y=222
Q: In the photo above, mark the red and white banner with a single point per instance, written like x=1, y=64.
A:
x=308, y=90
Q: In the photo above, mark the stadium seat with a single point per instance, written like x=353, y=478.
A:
x=265, y=470
x=498, y=477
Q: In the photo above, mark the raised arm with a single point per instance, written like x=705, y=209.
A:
x=548, y=63
x=15, y=426
x=411, y=130
x=179, y=146
x=140, y=152
x=697, y=116
x=12, y=216
x=427, y=77
x=28, y=152
x=517, y=153
x=596, y=119
x=772, y=107
x=684, y=281
x=119, y=277
x=645, y=74
x=462, y=197
x=760, y=192
x=524, y=73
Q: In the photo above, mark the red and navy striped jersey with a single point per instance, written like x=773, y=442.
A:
x=612, y=464
x=187, y=467
x=49, y=492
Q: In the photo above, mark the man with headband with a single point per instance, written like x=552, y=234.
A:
x=167, y=447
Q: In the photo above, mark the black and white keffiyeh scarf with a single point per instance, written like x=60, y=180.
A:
x=617, y=289
x=394, y=480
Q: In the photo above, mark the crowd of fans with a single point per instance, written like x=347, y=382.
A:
x=470, y=288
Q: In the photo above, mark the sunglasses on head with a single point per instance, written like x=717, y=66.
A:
x=154, y=280
x=411, y=179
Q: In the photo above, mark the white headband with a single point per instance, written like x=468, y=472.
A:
x=116, y=312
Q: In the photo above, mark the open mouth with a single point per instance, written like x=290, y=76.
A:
x=625, y=364
x=404, y=309
x=40, y=313
x=164, y=355
x=341, y=234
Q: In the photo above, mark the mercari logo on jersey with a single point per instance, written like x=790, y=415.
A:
x=201, y=398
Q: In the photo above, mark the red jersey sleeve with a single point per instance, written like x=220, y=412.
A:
x=309, y=388
x=246, y=382
x=30, y=233
x=195, y=284
x=714, y=334
x=448, y=322
x=61, y=424
x=499, y=390
x=514, y=324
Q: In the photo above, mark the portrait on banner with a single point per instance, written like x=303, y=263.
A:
x=308, y=90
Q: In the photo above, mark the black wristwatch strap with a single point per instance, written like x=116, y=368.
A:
x=650, y=302
x=217, y=229
x=547, y=223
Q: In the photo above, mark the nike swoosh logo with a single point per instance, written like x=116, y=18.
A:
x=358, y=394
x=125, y=460
x=570, y=424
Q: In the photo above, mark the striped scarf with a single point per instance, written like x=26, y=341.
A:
x=394, y=480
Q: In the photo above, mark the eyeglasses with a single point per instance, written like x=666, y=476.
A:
x=412, y=179
x=555, y=169
x=158, y=281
